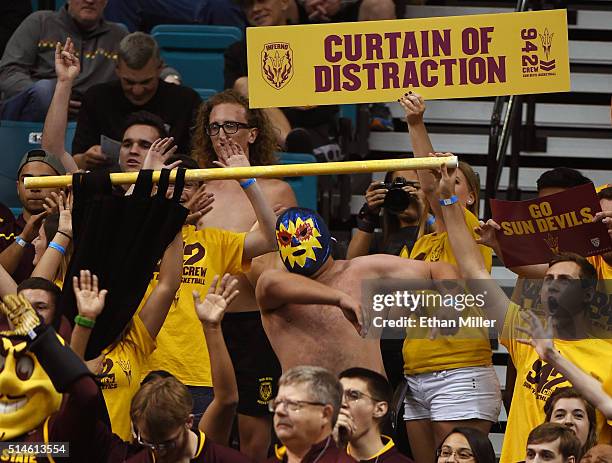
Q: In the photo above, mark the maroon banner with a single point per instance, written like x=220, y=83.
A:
x=533, y=231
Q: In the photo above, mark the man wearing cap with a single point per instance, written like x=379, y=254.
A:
x=17, y=234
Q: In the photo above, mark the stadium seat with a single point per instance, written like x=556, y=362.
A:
x=305, y=188
x=17, y=138
x=205, y=93
x=196, y=51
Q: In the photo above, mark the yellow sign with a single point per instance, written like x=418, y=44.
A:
x=377, y=61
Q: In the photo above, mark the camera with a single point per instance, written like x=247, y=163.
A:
x=397, y=200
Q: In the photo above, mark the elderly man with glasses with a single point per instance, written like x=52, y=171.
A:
x=305, y=411
x=367, y=396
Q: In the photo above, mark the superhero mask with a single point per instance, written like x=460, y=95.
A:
x=303, y=240
x=27, y=396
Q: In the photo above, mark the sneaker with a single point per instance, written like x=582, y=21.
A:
x=380, y=118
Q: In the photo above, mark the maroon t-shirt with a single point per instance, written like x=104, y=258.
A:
x=118, y=451
x=10, y=227
x=325, y=451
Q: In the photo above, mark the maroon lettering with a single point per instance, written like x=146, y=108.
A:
x=373, y=45
x=331, y=55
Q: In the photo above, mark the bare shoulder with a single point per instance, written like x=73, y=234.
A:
x=279, y=190
x=388, y=266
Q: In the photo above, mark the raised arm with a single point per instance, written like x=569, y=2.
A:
x=90, y=303
x=154, y=312
x=367, y=221
x=217, y=420
x=414, y=106
x=51, y=260
x=11, y=256
x=276, y=288
x=465, y=249
x=263, y=239
x=67, y=68
x=541, y=339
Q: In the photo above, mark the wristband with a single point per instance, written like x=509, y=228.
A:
x=58, y=247
x=65, y=234
x=367, y=221
x=448, y=201
x=247, y=183
x=20, y=241
x=84, y=321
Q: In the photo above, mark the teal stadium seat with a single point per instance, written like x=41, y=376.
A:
x=205, y=93
x=196, y=51
x=16, y=139
x=305, y=188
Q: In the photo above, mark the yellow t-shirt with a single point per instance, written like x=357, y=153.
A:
x=422, y=355
x=181, y=345
x=121, y=372
x=536, y=380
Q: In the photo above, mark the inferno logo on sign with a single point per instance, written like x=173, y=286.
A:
x=277, y=64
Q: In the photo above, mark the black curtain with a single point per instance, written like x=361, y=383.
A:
x=120, y=239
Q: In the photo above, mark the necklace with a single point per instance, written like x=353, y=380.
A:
x=322, y=451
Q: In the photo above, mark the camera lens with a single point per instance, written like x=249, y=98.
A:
x=397, y=200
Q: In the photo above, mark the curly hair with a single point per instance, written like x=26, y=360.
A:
x=261, y=151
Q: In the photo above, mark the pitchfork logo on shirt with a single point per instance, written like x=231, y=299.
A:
x=277, y=64
x=543, y=379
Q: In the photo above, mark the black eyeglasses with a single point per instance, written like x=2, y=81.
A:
x=158, y=446
x=229, y=127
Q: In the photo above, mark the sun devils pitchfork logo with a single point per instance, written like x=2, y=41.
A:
x=277, y=64
x=546, y=40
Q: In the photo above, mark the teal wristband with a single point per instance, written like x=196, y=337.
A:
x=247, y=183
x=20, y=241
x=58, y=247
x=84, y=321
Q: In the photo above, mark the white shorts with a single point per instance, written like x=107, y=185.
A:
x=452, y=395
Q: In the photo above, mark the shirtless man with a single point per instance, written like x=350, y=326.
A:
x=227, y=116
x=300, y=314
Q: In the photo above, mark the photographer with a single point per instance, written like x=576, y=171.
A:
x=402, y=207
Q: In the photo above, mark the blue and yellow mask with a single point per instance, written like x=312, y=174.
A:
x=303, y=240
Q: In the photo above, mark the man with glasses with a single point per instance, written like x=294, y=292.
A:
x=226, y=120
x=365, y=409
x=305, y=411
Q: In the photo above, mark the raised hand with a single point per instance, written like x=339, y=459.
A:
x=540, y=336
x=414, y=107
x=344, y=428
x=605, y=217
x=20, y=314
x=220, y=296
x=67, y=65
x=375, y=196
x=32, y=226
x=446, y=176
x=486, y=233
x=199, y=205
x=63, y=205
x=158, y=153
x=90, y=300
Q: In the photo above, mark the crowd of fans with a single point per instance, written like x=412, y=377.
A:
x=249, y=343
